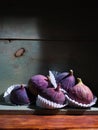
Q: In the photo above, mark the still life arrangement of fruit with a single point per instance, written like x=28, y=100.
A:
x=55, y=91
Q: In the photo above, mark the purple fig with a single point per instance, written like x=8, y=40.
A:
x=68, y=81
x=60, y=76
x=81, y=93
x=19, y=96
x=38, y=83
x=54, y=95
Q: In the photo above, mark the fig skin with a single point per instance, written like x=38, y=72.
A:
x=54, y=95
x=38, y=83
x=60, y=76
x=68, y=81
x=81, y=93
x=19, y=96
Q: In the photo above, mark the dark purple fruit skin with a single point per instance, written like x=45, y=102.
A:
x=38, y=83
x=53, y=95
x=66, y=79
x=68, y=82
x=19, y=96
x=61, y=76
x=81, y=93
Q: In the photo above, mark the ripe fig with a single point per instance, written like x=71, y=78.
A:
x=54, y=94
x=37, y=83
x=59, y=76
x=81, y=95
x=68, y=81
x=19, y=96
x=51, y=98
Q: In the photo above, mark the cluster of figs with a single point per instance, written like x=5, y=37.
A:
x=76, y=93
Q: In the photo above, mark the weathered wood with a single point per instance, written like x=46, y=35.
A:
x=22, y=20
x=6, y=109
x=53, y=26
x=48, y=122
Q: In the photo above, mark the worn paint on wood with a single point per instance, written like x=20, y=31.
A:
x=52, y=27
x=13, y=69
x=28, y=110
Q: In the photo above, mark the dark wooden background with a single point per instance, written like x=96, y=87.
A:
x=57, y=37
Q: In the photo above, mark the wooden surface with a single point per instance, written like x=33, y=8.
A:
x=53, y=27
x=34, y=110
x=49, y=122
x=21, y=20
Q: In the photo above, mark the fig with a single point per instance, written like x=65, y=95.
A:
x=19, y=96
x=68, y=81
x=81, y=95
x=59, y=76
x=54, y=94
x=51, y=98
x=38, y=83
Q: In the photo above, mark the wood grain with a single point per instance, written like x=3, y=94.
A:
x=34, y=110
x=48, y=122
x=47, y=24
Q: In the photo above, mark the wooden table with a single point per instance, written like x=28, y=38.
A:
x=68, y=122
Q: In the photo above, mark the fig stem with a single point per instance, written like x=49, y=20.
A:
x=22, y=87
x=58, y=87
x=71, y=72
x=79, y=80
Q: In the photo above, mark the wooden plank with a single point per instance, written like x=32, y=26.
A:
x=81, y=129
x=48, y=122
x=54, y=26
x=6, y=109
x=22, y=20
